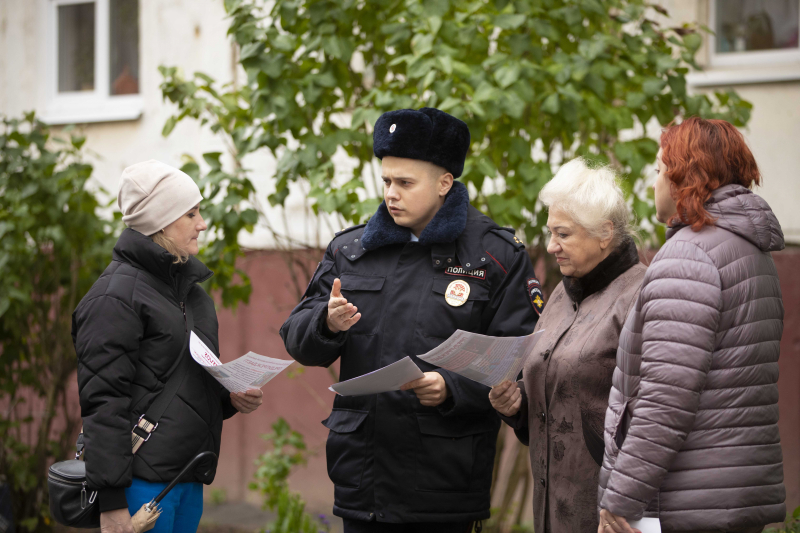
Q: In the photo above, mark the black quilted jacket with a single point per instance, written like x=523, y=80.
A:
x=128, y=332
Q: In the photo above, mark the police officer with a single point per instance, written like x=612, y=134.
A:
x=426, y=264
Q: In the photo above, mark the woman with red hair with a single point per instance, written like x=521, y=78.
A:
x=691, y=430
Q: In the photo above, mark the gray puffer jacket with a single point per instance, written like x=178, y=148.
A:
x=691, y=430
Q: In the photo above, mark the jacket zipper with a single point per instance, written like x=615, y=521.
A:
x=185, y=322
x=66, y=480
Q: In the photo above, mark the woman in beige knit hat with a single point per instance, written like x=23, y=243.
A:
x=131, y=333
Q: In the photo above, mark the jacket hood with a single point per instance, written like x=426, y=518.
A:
x=739, y=210
x=140, y=250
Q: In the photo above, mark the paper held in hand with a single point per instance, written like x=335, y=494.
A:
x=386, y=379
x=646, y=525
x=250, y=371
x=487, y=360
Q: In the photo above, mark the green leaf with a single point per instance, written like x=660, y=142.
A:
x=551, y=104
x=421, y=44
x=77, y=141
x=635, y=100
x=506, y=75
x=169, y=125
x=509, y=22
x=436, y=8
x=251, y=50
x=231, y=5
x=692, y=41
x=449, y=103
x=653, y=87
x=446, y=63
x=677, y=85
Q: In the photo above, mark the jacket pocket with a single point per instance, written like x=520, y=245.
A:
x=365, y=293
x=346, y=448
x=455, y=455
x=440, y=319
x=620, y=428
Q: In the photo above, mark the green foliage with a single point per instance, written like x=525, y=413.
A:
x=274, y=466
x=53, y=246
x=537, y=81
x=218, y=496
x=791, y=525
x=224, y=193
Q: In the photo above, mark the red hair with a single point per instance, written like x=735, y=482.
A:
x=702, y=156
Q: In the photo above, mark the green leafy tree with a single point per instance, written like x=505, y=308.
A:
x=538, y=82
x=271, y=481
x=53, y=246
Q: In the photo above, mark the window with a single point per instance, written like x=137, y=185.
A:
x=93, y=61
x=754, y=32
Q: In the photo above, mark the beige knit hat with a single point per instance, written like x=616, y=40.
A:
x=153, y=195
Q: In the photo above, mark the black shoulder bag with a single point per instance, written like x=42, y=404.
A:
x=71, y=502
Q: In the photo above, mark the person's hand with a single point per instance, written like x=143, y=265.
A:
x=116, y=521
x=247, y=402
x=506, y=398
x=431, y=389
x=341, y=314
x=611, y=523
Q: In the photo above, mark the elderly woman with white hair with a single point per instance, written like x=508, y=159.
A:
x=558, y=408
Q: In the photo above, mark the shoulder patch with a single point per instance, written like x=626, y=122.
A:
x=348, y=230
x=534, y=289
x=508, y=234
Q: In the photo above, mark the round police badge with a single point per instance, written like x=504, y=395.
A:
x=457, y=293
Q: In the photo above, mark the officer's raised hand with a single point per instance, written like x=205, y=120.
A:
x=431, y=389
x=341, y=314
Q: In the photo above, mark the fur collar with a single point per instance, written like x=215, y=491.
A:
x=448, y=223
x=601, y=276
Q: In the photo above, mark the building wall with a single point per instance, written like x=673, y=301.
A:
x=189, y=33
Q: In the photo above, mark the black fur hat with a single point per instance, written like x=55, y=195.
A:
x=428, y=135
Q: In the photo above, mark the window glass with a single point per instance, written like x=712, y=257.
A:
x=76, y=47
x=745, y=25
x=124, y=46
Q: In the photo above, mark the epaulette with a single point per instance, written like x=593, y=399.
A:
x=509, y=235
x=348, y=230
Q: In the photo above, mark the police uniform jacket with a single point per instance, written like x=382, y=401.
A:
x=390, y=458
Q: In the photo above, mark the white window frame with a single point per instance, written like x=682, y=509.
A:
x=746, y=59
x=86, y=106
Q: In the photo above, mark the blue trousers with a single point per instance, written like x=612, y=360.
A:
x=181, y=509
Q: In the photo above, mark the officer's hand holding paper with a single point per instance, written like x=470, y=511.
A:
x=386, y=379
x=250, y=371
x=481, y=358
